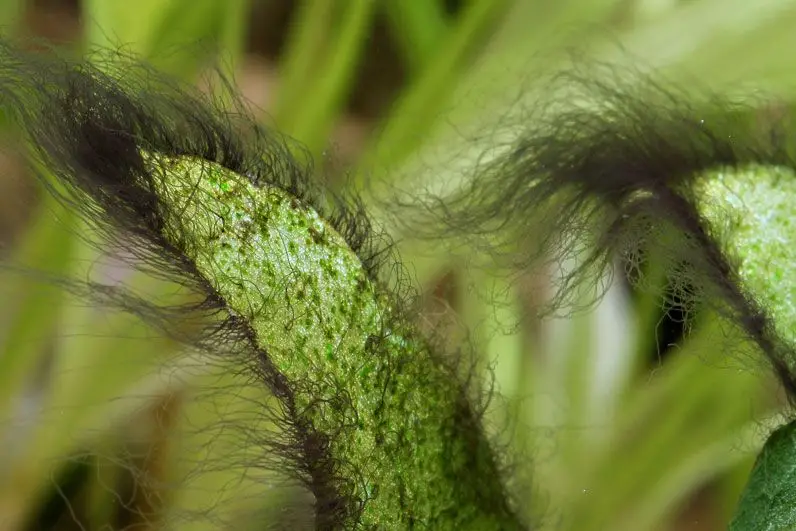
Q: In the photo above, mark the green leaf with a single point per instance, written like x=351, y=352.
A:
x=418, y=26
x=418, y=107
x=318, y=68
x=769, y=502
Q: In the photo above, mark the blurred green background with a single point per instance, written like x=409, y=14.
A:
x=617, y=423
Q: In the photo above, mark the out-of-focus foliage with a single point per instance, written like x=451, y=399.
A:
x=91, y=400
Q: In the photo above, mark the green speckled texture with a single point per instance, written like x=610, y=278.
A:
x=753, y=214
x=395, y=411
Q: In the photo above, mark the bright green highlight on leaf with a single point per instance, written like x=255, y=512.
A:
x=754, y=216
x=397, y=417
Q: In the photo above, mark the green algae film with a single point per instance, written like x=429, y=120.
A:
x=402, y=429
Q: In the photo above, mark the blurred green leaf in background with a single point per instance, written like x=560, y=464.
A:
x=105, y=425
